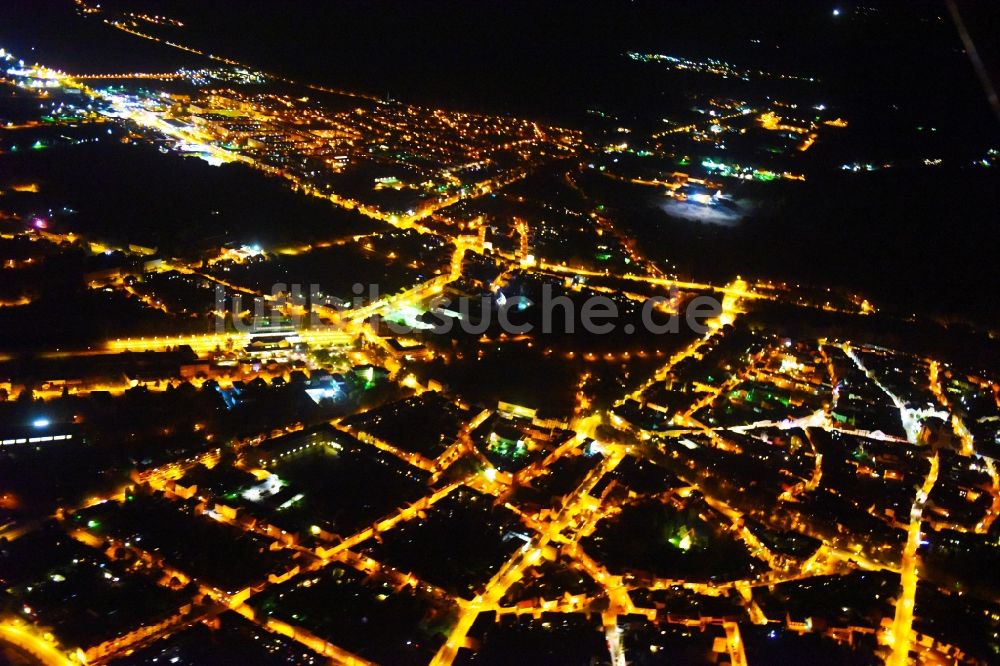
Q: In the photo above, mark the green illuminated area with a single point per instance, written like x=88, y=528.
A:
x=670, y=542
x=739, y=171
x=510, y=449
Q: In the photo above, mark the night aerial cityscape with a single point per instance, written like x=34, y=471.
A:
x=570, y=333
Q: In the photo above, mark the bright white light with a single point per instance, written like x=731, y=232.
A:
x=40, y=423
x=836, y=12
